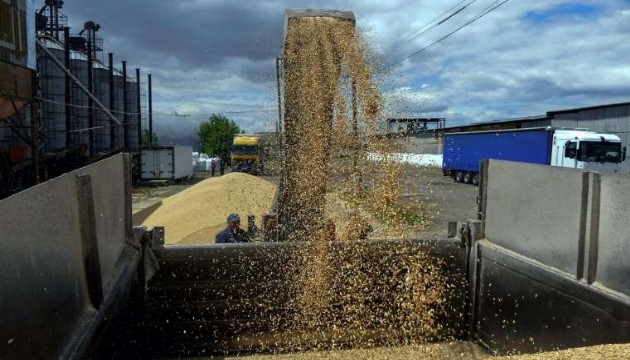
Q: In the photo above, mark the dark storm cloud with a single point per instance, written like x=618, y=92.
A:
x=211, y=56
x=194, y=33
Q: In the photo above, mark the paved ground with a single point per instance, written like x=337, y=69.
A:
x=147, y=195
x=441, y=199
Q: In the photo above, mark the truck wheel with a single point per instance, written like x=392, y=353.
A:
x=475, y=179
x=467, y=177
x=459, y=176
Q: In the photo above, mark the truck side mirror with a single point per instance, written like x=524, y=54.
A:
x=570, y=150
x=623, y=154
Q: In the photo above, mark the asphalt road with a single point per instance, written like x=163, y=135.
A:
x=441, y=199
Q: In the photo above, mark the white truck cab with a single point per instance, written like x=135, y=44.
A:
x=582, y=149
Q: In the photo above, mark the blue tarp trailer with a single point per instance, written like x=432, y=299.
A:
x=464, y=151
x=570, y=148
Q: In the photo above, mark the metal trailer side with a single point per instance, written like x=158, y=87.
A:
x=464, y=151
x=182, y=165
x=166, y=163
x=79, y=282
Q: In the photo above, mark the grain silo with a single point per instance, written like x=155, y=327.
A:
x=80, y=122
x=132, y=134
x=132, y=109
x=117, y=108
x=52, y=97
x=102, y=128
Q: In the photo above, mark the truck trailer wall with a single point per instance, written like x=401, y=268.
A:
x=550, y=264
x=166, y=163
x=183, y=162
x=463, y=151
x=59, y=245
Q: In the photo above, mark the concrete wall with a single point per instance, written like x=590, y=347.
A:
x=535, y=210
x=43, y=288
x=421, y=145
x=613, y=265
x=568, y=219
x=108, y=186
x=47, y=283
x=549, y=267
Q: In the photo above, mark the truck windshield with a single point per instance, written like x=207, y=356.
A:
x=594, y=151
x=245, y=149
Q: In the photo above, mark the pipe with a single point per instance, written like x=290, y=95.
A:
x=68, y=99
x=125, y=117
x=113, y=130
x=150, y=113
x=138, y=102
x=35, y=129
x=77, y=82
x=90, y=75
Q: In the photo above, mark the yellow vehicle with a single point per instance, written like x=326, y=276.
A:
x=245, y=154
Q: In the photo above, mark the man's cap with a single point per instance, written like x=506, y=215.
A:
x=233, y=217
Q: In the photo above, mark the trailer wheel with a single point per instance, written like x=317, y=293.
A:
x=475, y=179
x=467, y=177
x=459, y=176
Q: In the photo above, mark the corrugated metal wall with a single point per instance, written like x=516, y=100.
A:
x=613, y=119
x=52, y=107
x=133, y=120
x=535, y=124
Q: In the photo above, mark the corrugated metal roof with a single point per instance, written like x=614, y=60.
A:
x=502, y=121
x=77, y=55
x=596, y=107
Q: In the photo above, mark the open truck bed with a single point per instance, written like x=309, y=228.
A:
x=80, y=282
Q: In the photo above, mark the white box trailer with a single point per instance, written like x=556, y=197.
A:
x=166, y=162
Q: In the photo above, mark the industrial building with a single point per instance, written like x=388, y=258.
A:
x=63, y=103
x=608, y=118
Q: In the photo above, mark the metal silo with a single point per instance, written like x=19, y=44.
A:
x=80, y=123
x=52, y=102
x=102, y=126
x=133, y=119
x=118, y=110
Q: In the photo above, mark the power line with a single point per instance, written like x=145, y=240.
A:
x=420, y=32
x=250, y=110
x=483, y=13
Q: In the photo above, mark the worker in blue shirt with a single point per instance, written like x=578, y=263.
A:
x=233, y=232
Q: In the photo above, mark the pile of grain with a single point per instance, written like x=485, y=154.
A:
x=197, y=214
x=608, y=352
x=457, y=350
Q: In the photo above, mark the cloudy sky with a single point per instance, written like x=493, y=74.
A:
x=523, y=58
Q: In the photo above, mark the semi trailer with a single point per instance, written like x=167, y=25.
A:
x=571, y=148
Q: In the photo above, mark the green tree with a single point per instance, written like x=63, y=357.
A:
x=145, y=138
x=216, y=135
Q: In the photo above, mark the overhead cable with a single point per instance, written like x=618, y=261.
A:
x=420, y=32
x=483, y=13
